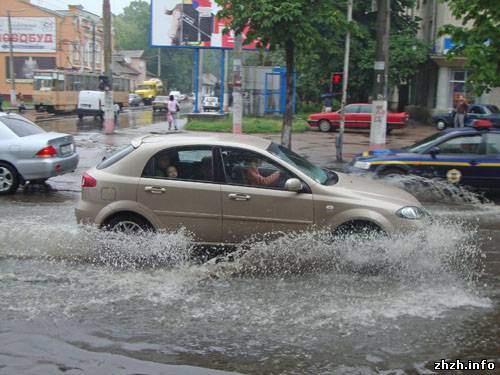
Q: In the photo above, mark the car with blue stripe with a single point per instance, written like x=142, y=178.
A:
x=467, y=156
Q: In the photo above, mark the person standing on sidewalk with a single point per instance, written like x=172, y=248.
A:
x=1, y=102
x=460, y=112
x=172, y=108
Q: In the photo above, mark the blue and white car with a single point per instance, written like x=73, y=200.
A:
x=468, y=156
x=29, y=153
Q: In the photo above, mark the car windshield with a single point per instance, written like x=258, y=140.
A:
x=319, y=175
x=145, y=87
x=493, y=108
x=21, y=128
x=422, y=145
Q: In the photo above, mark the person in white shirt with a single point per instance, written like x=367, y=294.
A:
x=173, y=108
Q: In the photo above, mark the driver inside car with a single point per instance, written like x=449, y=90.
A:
x=254, y=177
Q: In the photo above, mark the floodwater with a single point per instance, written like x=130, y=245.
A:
x=76, y=300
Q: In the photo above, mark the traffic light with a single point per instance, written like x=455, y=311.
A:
x=336, y=81
x=104, y=83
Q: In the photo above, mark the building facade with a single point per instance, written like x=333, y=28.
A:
x=441, y=80
x=130, y=64
x=47, y=39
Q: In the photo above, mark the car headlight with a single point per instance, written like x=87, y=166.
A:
x=410, y=212
x=362, y=164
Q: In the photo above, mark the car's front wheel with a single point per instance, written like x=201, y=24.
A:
x=325, y=126
x=9, y=179
x=440, y=125
x=358, y=227
x=129, y=224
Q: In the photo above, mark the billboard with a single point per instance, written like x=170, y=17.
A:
x=25, y=66
x=29, y=34
x=189, y=23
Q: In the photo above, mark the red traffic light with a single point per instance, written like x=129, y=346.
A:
x=337, y=79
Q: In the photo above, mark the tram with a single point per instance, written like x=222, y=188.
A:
x=56, y=91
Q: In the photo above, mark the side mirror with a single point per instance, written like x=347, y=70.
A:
x=293, y=184
x=434, y=151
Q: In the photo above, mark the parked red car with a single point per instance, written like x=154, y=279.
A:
x=357, y=116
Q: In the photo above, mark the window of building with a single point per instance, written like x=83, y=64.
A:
x=458, y=87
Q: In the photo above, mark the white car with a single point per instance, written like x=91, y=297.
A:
x=176, y=94
x=210, y=103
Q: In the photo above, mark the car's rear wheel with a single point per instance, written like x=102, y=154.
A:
x=440, y=125
x=325, y=126
x=9, y=179
x=128, y=223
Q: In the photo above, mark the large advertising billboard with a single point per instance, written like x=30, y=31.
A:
x=25, y=66
x=189, y=23
x=29, y=34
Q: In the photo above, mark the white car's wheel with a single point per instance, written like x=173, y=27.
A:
x=440, y=125
x=9, y=180
x=325, y=126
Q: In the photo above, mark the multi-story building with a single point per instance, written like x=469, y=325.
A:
x=47, y=39
x=130, y=64
x=442, y=79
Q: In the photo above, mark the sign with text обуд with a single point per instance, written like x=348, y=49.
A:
x=29, y=34
x=190, y=23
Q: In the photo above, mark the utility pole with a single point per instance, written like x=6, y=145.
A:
x=237, y=99
x=13, y=99
x=93, y=47
x=109, y=116
x=345, y=80
x=200, y=77
x=381, y=67
x=158, y=56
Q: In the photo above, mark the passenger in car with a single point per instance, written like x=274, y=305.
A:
x=172, y=172
x=162, y=165
x=254, y=176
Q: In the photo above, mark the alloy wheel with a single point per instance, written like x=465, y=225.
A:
x=6, y=179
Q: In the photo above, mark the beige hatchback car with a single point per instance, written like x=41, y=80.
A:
x=225, y=189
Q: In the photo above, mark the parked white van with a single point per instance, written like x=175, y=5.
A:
x=91, y=103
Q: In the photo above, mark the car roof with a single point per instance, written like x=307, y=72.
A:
x=470, y=130
x=187, y=139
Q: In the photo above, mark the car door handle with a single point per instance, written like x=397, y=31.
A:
x=239, y=197
x=155, y=190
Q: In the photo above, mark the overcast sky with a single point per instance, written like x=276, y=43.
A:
x=94, y=6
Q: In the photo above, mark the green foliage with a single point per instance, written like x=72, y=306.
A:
x=251, y=125
x=132, y=26
x=478, y=42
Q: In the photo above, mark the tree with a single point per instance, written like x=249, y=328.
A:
x=478, y=40
x=289, y=25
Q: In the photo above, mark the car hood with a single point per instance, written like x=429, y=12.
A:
x=369, y=188
x=383, y=152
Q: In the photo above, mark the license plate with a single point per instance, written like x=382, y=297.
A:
x=66, y=149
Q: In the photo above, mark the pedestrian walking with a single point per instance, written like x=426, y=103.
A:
x=172, y=109
x=20, y=102
x=461, y=108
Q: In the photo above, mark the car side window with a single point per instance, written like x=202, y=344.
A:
x=365, y=108
x=351, y=108
x=493, y=144
x=186, y=163
x=476, y=110
x=247, y=168
x=470, y=144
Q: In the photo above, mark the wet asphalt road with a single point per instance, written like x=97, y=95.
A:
x=75, y=300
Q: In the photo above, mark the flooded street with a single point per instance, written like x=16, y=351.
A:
x=77, y=300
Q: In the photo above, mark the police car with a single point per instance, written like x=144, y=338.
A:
x=468, y=156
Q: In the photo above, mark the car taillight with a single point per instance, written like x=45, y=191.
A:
x=88, y=181
x=47, y=152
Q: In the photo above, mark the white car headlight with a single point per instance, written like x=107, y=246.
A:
x=410, y=212
x=362, y=164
